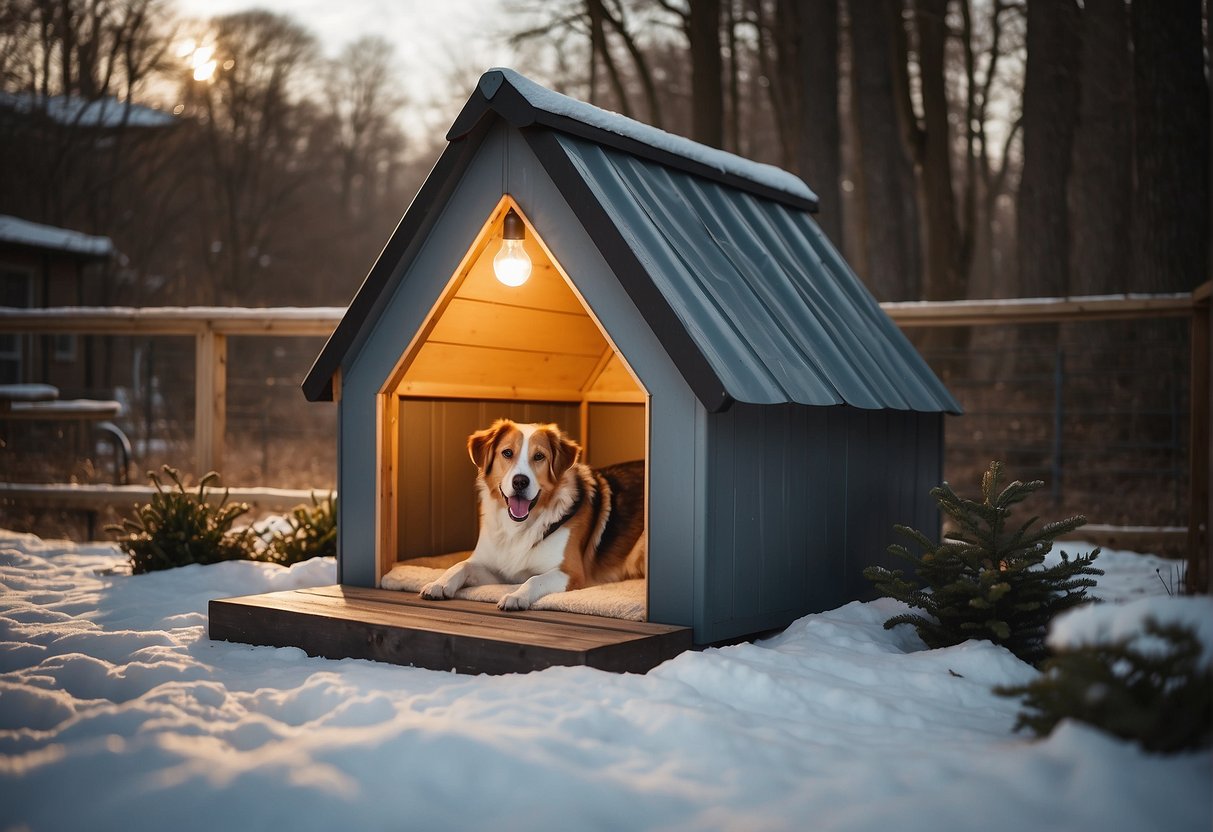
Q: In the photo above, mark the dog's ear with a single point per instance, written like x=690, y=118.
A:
x=564, y=451
x=482, y=445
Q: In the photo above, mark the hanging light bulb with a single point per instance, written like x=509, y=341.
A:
x=512, y=265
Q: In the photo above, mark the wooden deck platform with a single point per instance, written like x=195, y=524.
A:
x=340, y=622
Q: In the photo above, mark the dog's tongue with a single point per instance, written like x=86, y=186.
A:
x=520, y=507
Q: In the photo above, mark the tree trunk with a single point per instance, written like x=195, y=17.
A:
x=1049, y=106
x=813, y=67
x=593, y=10
x=707, y=93
x=1101, y=180
x=1172, y=153
x=943, y=276
x=885, y=178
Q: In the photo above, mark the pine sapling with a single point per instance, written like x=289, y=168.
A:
x=1160, y=698
x=180, y=527
x=987, y=579
x=311, y=533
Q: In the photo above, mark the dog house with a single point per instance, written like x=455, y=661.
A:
x=682, y=307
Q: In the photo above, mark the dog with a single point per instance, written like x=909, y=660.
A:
x=547, y=521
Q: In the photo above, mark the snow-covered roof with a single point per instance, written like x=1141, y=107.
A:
x=82, y=112
x=47, y=237
x=522, y=102
x=549, y=101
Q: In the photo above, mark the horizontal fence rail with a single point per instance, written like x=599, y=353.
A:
x=212, y=326
x=209, y=325
x=1040, y=310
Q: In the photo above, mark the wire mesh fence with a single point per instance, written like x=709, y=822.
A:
x=1099, y=410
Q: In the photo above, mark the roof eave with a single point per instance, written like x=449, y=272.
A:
x=401, y=246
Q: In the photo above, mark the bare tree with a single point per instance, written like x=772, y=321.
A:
x=607, y=31
x=945, y=258
x=988, y=42
x=888, y=212
x=256, y=134
x=805, y=38
x=707, y=73
x=361, y=97
x=1172, y=148
x=1101, y=182
x=1049, y=107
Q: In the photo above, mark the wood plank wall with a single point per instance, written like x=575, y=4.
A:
x=437, y=499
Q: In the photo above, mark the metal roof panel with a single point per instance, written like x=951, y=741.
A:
x=767, y=299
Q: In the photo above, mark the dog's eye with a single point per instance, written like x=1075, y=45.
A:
x=508, y=453
x=538, y=457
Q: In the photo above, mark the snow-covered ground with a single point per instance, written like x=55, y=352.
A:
x=117, y=712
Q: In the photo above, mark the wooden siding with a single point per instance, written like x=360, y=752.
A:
x=800, y=500
x=436, y=493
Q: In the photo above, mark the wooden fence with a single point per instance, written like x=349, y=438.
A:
x=212, y=326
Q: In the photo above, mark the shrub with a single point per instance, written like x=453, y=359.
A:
x=312, y=533
x=986, y=580
x=180, y=527
x=1160, y=699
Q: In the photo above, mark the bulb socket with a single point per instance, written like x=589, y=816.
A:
x=513, y=228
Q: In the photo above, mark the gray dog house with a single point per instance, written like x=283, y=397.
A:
x=684, y=307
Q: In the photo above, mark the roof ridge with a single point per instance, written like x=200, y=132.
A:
x=523, y=102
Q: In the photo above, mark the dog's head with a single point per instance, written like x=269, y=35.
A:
x=521, y=464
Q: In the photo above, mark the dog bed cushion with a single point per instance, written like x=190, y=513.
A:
x=622, y=599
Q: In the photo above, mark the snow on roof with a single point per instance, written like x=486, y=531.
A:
x=48, y=237
x=81, y=112
x=541, y=98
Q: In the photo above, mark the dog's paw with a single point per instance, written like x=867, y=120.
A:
x=514, y=601
x=434, y=591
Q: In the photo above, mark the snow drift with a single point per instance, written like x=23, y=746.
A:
x=116, y=712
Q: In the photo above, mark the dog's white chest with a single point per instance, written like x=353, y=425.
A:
x=516, y=556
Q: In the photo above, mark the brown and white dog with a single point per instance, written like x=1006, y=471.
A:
x=547, y=522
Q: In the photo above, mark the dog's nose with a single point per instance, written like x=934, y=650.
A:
x=521, y=481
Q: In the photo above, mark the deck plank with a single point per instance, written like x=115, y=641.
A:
x=393, y=596
x=467, y=636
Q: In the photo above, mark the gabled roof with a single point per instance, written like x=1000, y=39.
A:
x=720, y=255
x=16, y=231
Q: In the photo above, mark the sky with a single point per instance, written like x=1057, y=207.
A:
x=441, y=47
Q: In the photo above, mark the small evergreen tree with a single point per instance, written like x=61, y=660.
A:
x=180, y=527
x=1162, y=699
x=986, y=580
x=312, y=533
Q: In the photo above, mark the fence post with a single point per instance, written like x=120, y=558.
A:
x=1200, y=557
x=1059, y=381
x=210, y=400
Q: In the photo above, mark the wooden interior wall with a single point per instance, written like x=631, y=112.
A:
x=615, y=434
x=437, y=497
x=532, y=353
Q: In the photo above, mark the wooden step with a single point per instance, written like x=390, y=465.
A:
x=340, y=622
